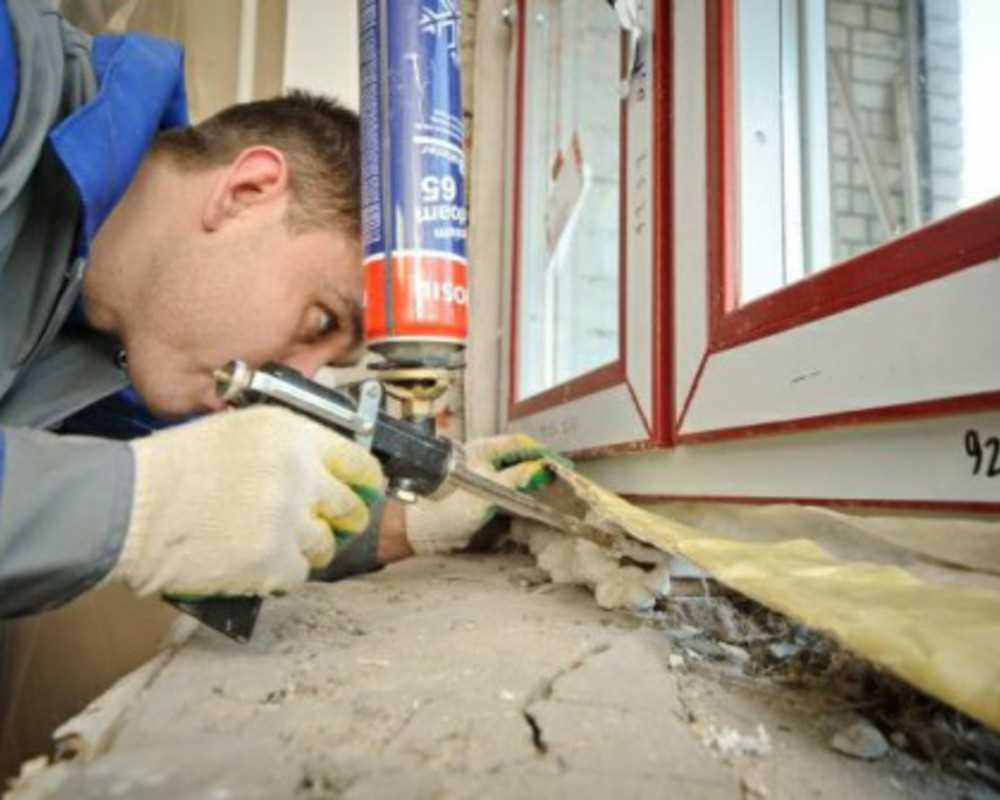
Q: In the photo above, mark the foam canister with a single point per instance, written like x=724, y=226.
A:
x=414, y=216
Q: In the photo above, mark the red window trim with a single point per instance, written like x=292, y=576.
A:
x=607, y=375
x=664, y=334
x=957, y=242
x=940, y=506
x=596, y=380
x=964, y=404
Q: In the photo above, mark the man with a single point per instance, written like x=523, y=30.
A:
x=133, y=263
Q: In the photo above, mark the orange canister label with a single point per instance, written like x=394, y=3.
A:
x=426, y=295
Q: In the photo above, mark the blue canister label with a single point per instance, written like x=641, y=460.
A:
x=414, y=217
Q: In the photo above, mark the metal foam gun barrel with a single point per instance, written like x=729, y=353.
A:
x=414, y=461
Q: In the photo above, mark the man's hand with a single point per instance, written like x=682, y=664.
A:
x=515, y=460
x=242, y=502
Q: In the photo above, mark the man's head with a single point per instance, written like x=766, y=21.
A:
x=238, y=238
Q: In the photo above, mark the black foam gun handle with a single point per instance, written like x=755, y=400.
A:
x=409, y=455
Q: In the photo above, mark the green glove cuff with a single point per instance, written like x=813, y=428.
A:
x=511, y=458
x=356, y=553
x=539, y=478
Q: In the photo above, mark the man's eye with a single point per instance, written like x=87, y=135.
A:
x=325, y=323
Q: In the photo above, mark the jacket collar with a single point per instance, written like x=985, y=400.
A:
x=140, y=91
x=8, y=72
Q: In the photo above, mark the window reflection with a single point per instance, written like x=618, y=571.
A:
x=569, y=205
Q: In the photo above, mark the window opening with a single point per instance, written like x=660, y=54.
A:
x=568, y=304
x=856, y=122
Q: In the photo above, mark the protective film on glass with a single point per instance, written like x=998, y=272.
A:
x=569, y=205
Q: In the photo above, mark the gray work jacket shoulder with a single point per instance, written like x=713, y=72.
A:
x=64, y=501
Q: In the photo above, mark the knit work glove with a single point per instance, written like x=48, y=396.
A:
x=515, y=460
x=242, y=503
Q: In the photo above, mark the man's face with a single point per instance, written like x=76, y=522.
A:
x=265, y=295
x=194, y=269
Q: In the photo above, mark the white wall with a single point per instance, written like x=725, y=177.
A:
x=321, y=49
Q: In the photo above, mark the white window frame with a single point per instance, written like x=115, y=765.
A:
x=840, y=409
x=621, y=414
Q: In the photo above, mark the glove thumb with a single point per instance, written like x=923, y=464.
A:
x=527, y=476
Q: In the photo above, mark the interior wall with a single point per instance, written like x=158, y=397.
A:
x=486, y=63
x=269, y=55
x=321, y=53
x=210, y=35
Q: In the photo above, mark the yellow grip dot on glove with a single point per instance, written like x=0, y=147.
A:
x=359, y=472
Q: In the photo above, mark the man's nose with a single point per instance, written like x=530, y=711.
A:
x=307, y=363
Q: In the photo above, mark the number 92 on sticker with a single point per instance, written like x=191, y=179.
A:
x=984, y=452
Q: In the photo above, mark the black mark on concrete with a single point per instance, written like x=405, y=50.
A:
x=536, y=733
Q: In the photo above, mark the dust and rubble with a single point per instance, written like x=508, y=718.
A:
x=721, y=641
x=722, y=635
x=729, y=742
x=480, y=676
x=732, y=636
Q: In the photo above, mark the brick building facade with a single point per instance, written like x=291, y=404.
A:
x=901, y=60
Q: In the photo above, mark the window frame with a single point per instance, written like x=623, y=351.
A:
x=902, y=455
x=942, y=247
x=727, y=448
x=629, y=385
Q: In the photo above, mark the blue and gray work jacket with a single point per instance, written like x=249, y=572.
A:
x=76, y=118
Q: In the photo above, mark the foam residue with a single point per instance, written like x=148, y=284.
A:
x=616, y=584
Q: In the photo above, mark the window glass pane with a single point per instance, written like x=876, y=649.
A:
x=858, y=120
x=569, y=211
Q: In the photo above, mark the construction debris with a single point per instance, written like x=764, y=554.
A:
x=735, y=636
x=716, y=630
x=931, y=624
x=730, y=743
x=616, y=583
x=861, y=740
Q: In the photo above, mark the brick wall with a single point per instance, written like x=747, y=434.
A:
x=869, y=37
x=944, y=105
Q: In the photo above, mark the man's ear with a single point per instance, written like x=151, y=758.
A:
x=258, y=174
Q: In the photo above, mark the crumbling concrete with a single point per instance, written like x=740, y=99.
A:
x=461, y=677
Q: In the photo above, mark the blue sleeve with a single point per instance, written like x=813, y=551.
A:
x=8, y=71
x=119, y=416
